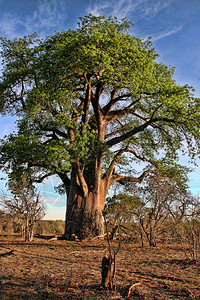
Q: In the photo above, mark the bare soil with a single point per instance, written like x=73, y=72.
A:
x=57, y=269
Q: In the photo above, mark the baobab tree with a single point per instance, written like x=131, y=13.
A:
x=91, y=104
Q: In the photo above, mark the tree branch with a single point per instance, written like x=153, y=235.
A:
x=32, y=163
x=112, y=133
x=107, y=176
x=98, y=112
x=119, y=113
x=53, y=138
x=107, y=108
x=39, y=180
x=65, y=179
x=136, y=130
x=124, y=179
x=82, y=182
x=55, y=131
x=123, y=137
x=142, y=157
x=18, y=97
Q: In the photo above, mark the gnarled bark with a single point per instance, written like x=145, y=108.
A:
x=82, y=223
x=85, y=203
x=84, y=216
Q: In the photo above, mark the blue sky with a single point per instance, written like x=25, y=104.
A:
x=174, y=26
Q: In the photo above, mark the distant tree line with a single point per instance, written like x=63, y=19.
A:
x=50, y=227
x=10, y=226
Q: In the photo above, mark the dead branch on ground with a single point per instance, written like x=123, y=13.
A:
x=133, y=286
x=8, y=253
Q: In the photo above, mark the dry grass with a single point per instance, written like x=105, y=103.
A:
x=58, y=269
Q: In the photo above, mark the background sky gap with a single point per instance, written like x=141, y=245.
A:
x=174, y=26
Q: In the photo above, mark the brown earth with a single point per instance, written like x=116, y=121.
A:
x=56, y=269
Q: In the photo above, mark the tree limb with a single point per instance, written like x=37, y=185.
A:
x=136, y=130
x=115, y=114
x=82, y=182
x=106, y=109
x=124, y=179
x=123, y=137
x=107, y=176
x=97, y=110
x=55, y=131
x=112, y=133
x=39, y=180
x=142, y=157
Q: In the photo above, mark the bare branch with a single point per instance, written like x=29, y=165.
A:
x=142, y=157
x=107, y=108
x=86, y=103
x=82, y=182
x=136, y=130
x=113, y=115
x=123, y=179
x=107, y=176
x=112, y=133
x=55, y=131
x=134, y=285
x=123, y=137
x=41, y=179
x=118, y=120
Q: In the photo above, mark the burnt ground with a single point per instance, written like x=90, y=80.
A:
x=56, y=269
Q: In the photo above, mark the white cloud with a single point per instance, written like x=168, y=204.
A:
x=152, y=8
x=123, y=8
x=120, y=8
x=9, y=25
x=98, y=9
x=141, y=8
x=166, y=33
x=47, y=14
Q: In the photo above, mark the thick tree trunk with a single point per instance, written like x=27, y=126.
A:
x=82, y=223
x=84, y=210
x=84, y=217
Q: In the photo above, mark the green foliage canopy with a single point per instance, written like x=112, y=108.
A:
x=90, y=91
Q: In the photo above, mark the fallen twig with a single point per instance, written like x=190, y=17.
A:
x=53, y=239
x=134, y=285
x=7, y=253
x=98, y=237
